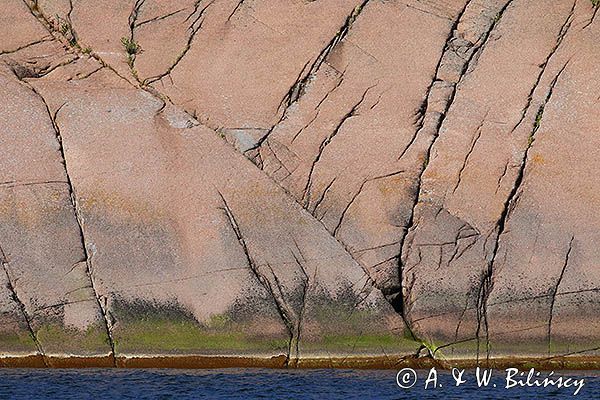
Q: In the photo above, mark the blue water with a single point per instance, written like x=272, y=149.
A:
x=263, y=384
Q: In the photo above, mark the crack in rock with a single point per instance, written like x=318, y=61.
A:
x=273, y=286
x=193, y=29
x=299, y=86
x=487, y=278
x=454, y=45
x=555, y=290
x=107, y=317
x=21, y=306
x=325, y=143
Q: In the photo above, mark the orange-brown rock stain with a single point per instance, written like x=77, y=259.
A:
x=281, y=361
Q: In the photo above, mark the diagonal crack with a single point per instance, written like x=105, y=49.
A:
x=467, y=157
x=132, y=20
x=318, y=107
x=273, y=287
x=467, y=64
x=322, y=197
x=194, y=28
x=158, y=18
x=423, y=107
x=325, y=143
x=12, y=184
x=563, y=31
x=295, y=342
x=298, y=88
x=134, y=15
x=237, y=7
x=397, y=297
x=596, y=6
x=555, y=290
x=487, y=281
x=42, y=40
x=87, y=257
x=15, y=298
x=66, y=39
x=355, y=196
x=80, y=77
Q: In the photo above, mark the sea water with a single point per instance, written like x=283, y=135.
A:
x=272, y=384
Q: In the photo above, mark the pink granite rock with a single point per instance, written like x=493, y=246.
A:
x=313, y=180
x=40, y=240
x=177, y=222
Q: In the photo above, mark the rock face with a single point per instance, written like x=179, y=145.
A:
x=311, y=182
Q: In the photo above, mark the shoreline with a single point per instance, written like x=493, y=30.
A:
x=281, y=362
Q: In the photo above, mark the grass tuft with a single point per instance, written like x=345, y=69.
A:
x=131, y=46
x=66, y=29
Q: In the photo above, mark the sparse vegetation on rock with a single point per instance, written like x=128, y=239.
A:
x=131, y=47
x=66, y=29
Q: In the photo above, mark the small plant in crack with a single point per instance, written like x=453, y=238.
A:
x=131, y=48
x=66, y=29
x=538, y=118
x=595, y=3
x=35, y=6
x=426, y=162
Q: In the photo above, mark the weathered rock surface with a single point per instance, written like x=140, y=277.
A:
x=330, y=180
